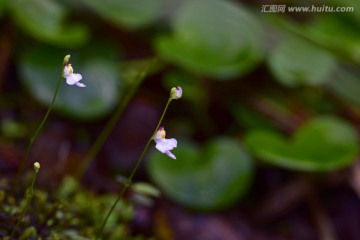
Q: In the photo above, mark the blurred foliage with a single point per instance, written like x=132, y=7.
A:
x=204, y=179
x=2, y=6
x=335, y=32
x=322, y=144
x=71, y=213
x=309, y=65
x=44, y=20
x=345, y=83
x=223, y=41
x=143, y=193
x=11, y=129
x=95, y=63
x=85, y=211
x=128, y=13
x=265, y=58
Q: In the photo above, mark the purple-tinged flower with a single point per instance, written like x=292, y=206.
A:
x=165, y=145
x=71, y=77
x=176, y=92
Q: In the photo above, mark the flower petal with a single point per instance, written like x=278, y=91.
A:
x=68, y=70
x=172, y=142
x=170, y=154
x=73, y=78
x=166, y=144
x=79, y=84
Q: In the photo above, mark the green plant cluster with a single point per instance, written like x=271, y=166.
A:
x=71, y=212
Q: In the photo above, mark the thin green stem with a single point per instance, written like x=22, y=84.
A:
x=37, y=132
x=128, y=182
x=99, y=142
x=28, y=197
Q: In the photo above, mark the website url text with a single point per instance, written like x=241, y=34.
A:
x=305, y=9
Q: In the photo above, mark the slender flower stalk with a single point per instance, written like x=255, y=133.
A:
x=28, y=197
x=38, y=130
x=99, y=142
x=173, y=95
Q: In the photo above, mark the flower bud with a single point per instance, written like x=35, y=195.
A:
x=66, y=59
x=36, y=166
x=176, y=93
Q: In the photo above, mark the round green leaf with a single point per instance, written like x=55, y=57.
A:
x=297, y=61
x=322, y=144
x=43, y=20
x=40, y=69
x=211, y=178
x=129, y=13
x=213, y=37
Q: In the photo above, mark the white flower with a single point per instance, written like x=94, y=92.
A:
x=176, y=92
x=165, y=145
x=71, y=77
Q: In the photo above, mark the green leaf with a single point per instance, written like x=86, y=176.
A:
x=129, y=13
x=12, y=129
x=213, y=37
x=346, y=85
x=43, y=20
x=40, y=68
x=28, y=233
x=207, y=179
x=335, y=33
x=247, y=117
x=351, y=6
x=68, y=187
x=2, y=7
x=145, y=189
x=323, y=144
x=298, y=62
